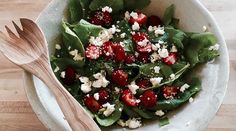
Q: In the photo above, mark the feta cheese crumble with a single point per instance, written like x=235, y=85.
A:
x=133, y=87
x=135, y=26
x=101, y=80
x=173, y=49
x=107, y=9
x=86, y=86
x=143, y=43
x=157, y=69
x=159, y=31
x=96, y=96
x=154, y=57
x=133, y=123
x=109, y=109
x=121, y=123
x=63, y=74
x=204, y=28
x=172, y=76
x=134, y=15
x=127, y=15
x=190, y=100
x=156, y=81
x=184, y=87
x=57, y=46
x=155, y=47
x=159, y=113
x=77, y=56
x=163, y=53
x=122, y=35
x=214, y=47
x=56, y=69
x=104, y=36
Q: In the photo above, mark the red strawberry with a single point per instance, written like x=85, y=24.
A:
x=154, y=21
x=169, y=92
x=92, y=104
x=70, y=76
x=93, y=52
x=140, y=36
x=101, y=18
x=119, y=53
x=171, y=59
x=128, y=98
x=103, y=96
x=144, y=58
x=107, y=50
x=130, y=59
x=141, y=20
x=144, y=49
x=148, y=99
x=143, y=83
x=120, y=77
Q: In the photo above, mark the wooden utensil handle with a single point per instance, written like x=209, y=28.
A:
x=76, y=116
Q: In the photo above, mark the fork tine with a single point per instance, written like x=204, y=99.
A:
x=10, y=33
x=18, y=29
x=31, y=25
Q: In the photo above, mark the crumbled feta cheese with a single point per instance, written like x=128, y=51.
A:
x=63, y=74
x=57, y=46
x=159, y=31
x=101, y=80
x=190, y=100
x=138, y=101
x=154, y=57
x=86, y=86
x=161, y=42
x=214, y=47
x=127, y=15
x=173, y=49
x=184, y=87
x=133, y=87
x=143, y=43
x=69, y=47
x=104, y=35
x=155, y=47
x=114, y=29
x=204, y=28
x=159, y=113
x=134, y=15
x=122, y=44
x=150, y=29
x=77, y=56
x=96, y=96
x=109, y=109
x=136, y=54
x=135, y=26
x=117, y=90
x=172, y=76
x=132, y=32
x=107, y=9
x=121, y=123
x=163, y=53
x=95, y=41
x=157, y=69
x=122, y=35
x=56, y=69
x=120, y=109
x=133, y=123
x=156, y=81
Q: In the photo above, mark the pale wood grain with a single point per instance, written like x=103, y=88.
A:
x=223, y=10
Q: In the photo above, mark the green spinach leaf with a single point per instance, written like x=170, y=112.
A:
x=136, y=4
x=116, y=5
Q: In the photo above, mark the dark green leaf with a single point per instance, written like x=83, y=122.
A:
x=148, y=70
x=63, y=63
x=168, y=15
x=144, y=113
x=175, y=36
x=116, y=5
x=164, y=121
x=136, y=4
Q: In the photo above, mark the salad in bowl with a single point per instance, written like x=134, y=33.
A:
x=125, y=66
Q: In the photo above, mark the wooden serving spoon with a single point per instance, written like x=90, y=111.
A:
x=29, y=51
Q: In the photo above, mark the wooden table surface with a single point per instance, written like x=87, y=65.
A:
x=15, y=111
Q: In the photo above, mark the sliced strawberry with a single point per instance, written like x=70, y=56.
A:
x=130, y=59
x=101, y=18
x=107, y=50
x=169, y=92
x=144, y=58
x=143, y=83
x=70, y=76
x=120, y=54
x=128, y=98
x=93, y=52
x=171, y=59
x=144, y=49
x=141, y=19
x=154, y=20
x=148, y=99
x=92, y=104
x=103, y=96
x=120, y=77
x=140, y=36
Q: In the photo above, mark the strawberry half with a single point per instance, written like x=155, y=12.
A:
x=138, y=37
x=93, y=52
x=103, y=96
x=101, y=18
x=143, y=83
x=169, y=92
x=171, y=59
x=70, y=76
x=144, y=58
x=128, y=98
x=119, y=51
x=92, y=104
x=130, y=59
x=148, y=99
x=141, y=19
x=107, y=50
x=120, y=77
x=145, y=49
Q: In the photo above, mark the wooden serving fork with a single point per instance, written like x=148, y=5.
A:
x=29, y=51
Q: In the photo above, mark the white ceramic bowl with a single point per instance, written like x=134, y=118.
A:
x=191, y=117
